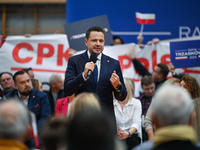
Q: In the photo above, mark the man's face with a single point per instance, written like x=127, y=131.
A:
x=23, y=84
x=7, y=82
x=157, y=74
x=117, y=42
x=149, y=89
x=31, y=74
x=95, y=42
x=58, y=85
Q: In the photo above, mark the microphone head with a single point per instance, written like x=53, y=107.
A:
x=93, y=57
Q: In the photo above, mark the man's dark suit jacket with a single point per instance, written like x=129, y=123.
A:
x=38, y=103
x=75, y=83
x=51, y=100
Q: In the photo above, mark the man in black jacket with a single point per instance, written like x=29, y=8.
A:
x=159, y=73
x=56, y=91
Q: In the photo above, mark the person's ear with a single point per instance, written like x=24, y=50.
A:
x=155, y=121
x=27, y=133
x=15, y=86
x=192, y=118
x=86, y=42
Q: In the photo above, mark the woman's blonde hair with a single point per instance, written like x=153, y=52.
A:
x=130, y=87
x=84, y=101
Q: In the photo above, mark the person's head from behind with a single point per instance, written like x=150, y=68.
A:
x=56, y=82
x=191, y=85
x=30, y=72
x=22, y=83
x=173, y=80
x=172, y=106
x=53, y=134
x=117, y=40
x=6, y=81
x=148, y=86
x=84, y=101
x=90, y=130
x=37, y=84
x=95, y=39
x=14, y=121
x=160, y=72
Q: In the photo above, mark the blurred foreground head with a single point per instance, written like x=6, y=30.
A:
x=173, y=106
x=14, y=121
x=90, y=130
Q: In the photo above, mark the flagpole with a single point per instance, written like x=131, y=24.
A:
x=141, y=29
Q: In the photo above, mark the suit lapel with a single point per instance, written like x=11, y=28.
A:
x=105, y=64
x=84, y=60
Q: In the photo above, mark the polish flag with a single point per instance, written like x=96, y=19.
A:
x=145, y=18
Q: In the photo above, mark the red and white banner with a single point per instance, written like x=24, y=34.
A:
x=47, y=54
x=142, y=18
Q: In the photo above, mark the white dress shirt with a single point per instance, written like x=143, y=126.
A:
x=130, y=116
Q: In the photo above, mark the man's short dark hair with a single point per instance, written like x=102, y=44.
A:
x=90, y=130
x=5, y=73
x=147, y=80
x=164, y=70
x=95, y=28
x=26, y=69
x=18, y=73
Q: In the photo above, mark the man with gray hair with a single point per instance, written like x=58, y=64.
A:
x=173, y=115
x=15, y=126
x=56, y=91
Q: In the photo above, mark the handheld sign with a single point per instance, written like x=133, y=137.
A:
x=185, y=53
x=76, y=31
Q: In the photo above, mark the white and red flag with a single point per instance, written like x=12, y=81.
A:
x=142, y=18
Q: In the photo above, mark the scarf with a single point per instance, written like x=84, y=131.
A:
x=176, y=132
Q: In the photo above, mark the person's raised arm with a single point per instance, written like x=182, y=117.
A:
x=138, y=66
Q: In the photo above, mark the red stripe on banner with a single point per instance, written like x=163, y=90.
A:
x=145, y=21
x=39, y=70
x=191, y=71
x=137, y=80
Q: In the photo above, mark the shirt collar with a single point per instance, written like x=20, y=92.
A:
x=98, y=57
x=130, y=102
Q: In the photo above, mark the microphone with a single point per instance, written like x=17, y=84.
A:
x=93, y=58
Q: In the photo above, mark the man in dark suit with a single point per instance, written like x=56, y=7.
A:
x=109, y=75
x=34, y=99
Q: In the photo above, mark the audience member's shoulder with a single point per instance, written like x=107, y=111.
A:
x=148, y=145
x=11, y=93
x=39, y=93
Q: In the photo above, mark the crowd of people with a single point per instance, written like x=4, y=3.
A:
x=94, y=108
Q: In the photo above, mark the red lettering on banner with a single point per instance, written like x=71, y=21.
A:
x=124, y=66
x=41, y=53
x=15, y=52
x=164, y=59
x=61, y=55
x=154, y=59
